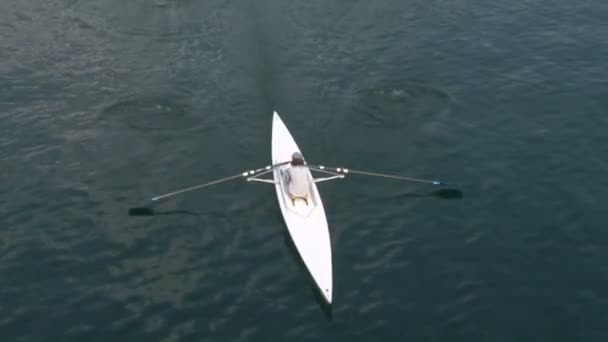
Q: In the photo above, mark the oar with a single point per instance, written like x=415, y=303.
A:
x=342, y=170
x=147, y=211
x=444, y=193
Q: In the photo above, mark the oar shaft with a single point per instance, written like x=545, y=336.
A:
x=249, y=173
x=411, y=179
x=181, y=191
x=341, y=170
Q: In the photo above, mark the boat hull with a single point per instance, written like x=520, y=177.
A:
x=306, y=222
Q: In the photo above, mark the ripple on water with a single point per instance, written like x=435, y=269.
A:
x=402, y=103
x=162, y=19
x=164, y=110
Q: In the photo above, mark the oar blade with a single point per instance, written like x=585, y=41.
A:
x=447, y=193
x=141, y=211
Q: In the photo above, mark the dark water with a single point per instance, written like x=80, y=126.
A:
x=106, y=103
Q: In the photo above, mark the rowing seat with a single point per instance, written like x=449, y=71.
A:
x=294, y=198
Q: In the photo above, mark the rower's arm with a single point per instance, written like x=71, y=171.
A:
x=257, y=178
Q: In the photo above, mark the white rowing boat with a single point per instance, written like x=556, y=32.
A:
x=305, y=220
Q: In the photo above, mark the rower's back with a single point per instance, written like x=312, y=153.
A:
x=298, y=180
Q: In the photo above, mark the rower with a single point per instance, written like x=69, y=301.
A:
x=298, y=179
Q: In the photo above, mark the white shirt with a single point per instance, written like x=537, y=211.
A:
x=298, y=180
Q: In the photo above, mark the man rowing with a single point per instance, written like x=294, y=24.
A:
x=298, y=179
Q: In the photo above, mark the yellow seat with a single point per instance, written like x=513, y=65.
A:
x=294, y=198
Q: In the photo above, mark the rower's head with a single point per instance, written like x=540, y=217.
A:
x=297, y=159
